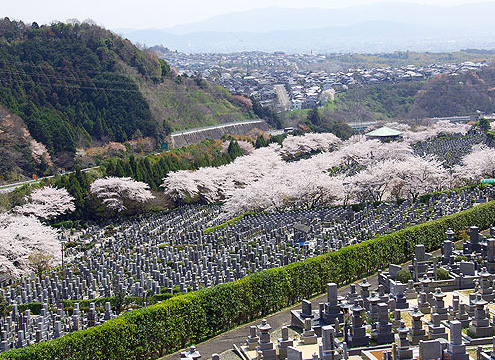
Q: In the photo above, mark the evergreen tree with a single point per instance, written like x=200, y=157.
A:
x=314, y=117
x=234, y=150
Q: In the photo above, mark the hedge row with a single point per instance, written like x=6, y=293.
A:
x=156, y=330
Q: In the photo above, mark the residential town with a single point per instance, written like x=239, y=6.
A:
x=297, y=81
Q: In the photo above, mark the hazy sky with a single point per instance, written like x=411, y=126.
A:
x=142, y=14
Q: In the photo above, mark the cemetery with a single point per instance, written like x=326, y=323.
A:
x=426, y=318
x=153, y=257
x=450, y=149
x=192, y=275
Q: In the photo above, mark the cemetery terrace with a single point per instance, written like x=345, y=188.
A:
x=164, y=253
x=425, y=318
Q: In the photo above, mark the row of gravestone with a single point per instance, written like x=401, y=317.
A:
x=450, y=150
x=339, y=338
x=152, y=254
x=116, y=266
x=20, y=329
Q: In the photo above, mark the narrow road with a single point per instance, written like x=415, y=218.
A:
x=11, y=187
x=225, y=341
x=282, y=96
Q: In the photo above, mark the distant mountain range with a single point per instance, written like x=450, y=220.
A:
x=367, y=28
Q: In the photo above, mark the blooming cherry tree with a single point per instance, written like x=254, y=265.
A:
x=295, y=146
x=47, y=202
x=118, y=193
x=475, y=166
x=20, y=236
x=429, y=132
x=356, y=170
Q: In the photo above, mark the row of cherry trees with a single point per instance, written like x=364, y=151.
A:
x=306, y=171
x=357, y=170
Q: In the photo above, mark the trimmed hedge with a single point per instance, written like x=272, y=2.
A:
x=156, y=330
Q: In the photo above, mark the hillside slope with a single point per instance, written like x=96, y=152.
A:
x=441, y=96
x=79, y=85
x=457, y=94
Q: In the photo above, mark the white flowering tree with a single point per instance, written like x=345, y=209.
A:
x=424, y=133
x=20, y=237
x=296, y=146
x=475, y=166
x=421, y=175
x=47, y=203
x=356, y=170
x=211, y=184
x=121, y=194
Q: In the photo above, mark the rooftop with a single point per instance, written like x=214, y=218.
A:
x=384, y=132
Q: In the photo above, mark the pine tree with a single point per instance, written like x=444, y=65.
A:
x=234, y=149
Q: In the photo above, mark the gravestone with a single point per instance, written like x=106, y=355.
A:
x=416, y=332
x=456, y=350
x=283, y=343
x=404, y=352
x=265, y=345
x=480, y=326
x=357, y=336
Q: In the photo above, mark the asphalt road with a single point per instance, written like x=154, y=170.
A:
x=282, y=96
x=11, y=187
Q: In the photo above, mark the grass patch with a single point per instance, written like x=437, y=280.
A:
x=227, y=223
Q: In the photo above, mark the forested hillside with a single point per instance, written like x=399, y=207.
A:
x=458, y=95
x=77, y=85
x=441, y=96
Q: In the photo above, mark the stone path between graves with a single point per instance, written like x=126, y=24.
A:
x=225, y=341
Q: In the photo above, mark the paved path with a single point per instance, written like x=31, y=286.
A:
x=282, y=96
x=225, y=341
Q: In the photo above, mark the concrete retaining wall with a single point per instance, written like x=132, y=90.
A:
x=188, y=137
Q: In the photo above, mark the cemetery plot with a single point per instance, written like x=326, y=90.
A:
x=158, y=254
x=425, y=318
x=450, y=149
x=150, y=257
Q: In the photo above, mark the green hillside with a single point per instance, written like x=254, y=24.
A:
x=79, y=85
x=458, y=95
x=441, y=96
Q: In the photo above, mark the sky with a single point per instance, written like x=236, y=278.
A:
x=160, y=14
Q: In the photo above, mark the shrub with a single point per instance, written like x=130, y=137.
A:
x=403, y=276
x=442, y=274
